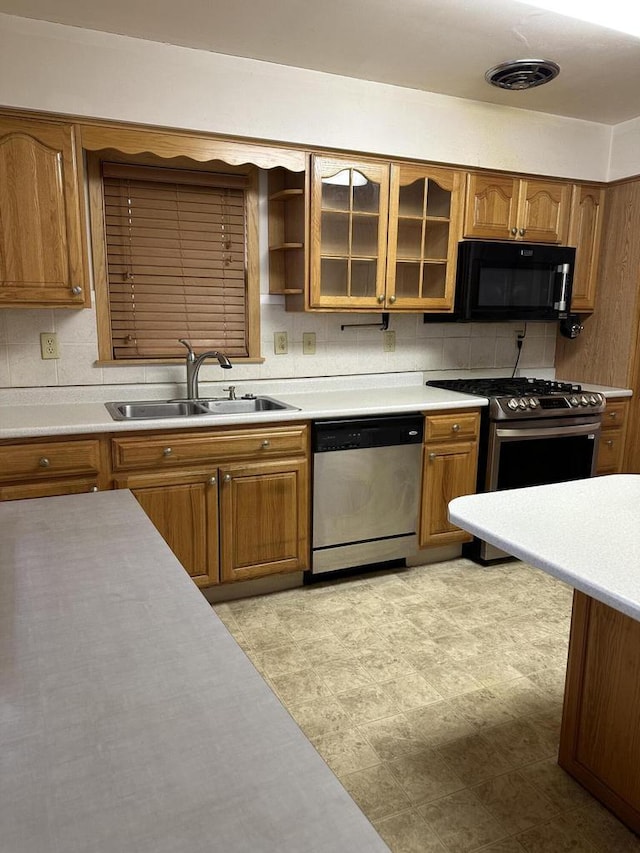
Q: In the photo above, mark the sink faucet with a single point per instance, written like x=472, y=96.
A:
x=194, y=362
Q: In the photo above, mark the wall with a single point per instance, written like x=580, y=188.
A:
x=68, y=70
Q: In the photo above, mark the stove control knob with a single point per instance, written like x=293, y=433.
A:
x=522, y=402
x=533, y=403
x=512, y=404
x=593, y=400
x=584, y=400
x=574, y=401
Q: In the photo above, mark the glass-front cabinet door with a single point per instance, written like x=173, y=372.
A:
x=425, y=221
x=349, y=213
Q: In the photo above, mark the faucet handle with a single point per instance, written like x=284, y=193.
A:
x=232, y=391
x=186, y=344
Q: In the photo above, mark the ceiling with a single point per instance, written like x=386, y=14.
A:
x=442, y=46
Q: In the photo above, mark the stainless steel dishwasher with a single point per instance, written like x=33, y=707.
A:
x=366, y=488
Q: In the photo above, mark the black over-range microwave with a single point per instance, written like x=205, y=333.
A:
x=512, y=281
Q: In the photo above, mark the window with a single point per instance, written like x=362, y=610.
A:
x=175, y=256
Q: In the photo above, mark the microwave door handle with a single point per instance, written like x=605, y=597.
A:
x=563, y=288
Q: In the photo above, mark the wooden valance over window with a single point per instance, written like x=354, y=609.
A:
x=175, y=258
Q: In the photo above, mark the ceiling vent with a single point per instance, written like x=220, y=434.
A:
x=522, y=73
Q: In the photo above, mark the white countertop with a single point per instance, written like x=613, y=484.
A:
x=131, y=720
x=585, y=532
x=23, y=421
x=26, y=419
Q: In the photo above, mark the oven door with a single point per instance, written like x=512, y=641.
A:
x=533, y=453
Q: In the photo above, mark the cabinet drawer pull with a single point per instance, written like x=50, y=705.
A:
x=44, y=462
x=76, y=290
x=432, y=456
x=455, y=427
x=514, y=231
x=522, y=232
x=212, y=481
x=93, y=489
x=227, y=478
x=167, y=451
x=381, y=298
x=613, y=414
x=265, y=443
x=392, y=299
x=609, y=443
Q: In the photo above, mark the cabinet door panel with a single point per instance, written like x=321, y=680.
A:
x=41, y=238
x=349, y=211
x=585, y=233
x=185, y=512
x=264, y=509
x=491, y=206
x=449, y=470
x=543, y=213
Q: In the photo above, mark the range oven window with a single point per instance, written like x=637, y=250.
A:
x=536, y=461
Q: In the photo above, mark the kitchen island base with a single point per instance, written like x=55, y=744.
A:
x=600, y=735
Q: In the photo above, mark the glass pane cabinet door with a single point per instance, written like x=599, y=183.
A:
x=349, y=219
x=424, y=229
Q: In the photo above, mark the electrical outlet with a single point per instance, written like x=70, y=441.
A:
x=280, y=343
x=308, y=343
x=389, y=341
x=49, y=345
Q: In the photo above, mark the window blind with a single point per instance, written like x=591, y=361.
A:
x=176, y=261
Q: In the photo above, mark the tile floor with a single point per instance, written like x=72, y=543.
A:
x=434, y=694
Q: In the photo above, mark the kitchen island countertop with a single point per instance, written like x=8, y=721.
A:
x=131, y=719
x=584, y=532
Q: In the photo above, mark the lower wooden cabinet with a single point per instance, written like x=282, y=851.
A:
x=184, y=509
x=264, y=509
x=449, y=470
x=243, y=515
x=600, y=735
x=612, y=438
x=40, y=468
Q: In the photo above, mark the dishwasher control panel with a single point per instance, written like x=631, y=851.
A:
x=349, y=434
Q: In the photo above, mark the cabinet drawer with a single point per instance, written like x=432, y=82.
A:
x=180, y=449
x=615, y=415
x=442, y=427
x=49, y=458
x=610, y=449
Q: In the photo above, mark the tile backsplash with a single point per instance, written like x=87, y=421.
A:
x=357, y=349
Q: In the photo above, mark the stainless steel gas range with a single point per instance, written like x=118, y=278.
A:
x=534, y=431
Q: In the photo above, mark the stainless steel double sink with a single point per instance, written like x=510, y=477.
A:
x=150, y=409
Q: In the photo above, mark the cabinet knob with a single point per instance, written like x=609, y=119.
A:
x=43, y=462
x=93, y=489
x=76, y=290
x=609, y=443
x=455, y=427
x=265, y=443
x=392, y=299
x=227, y=478
x=514, y=231
x=432, y=456
x=613, y=415
x=212, y=481
x=381, y=298
x=522, y=232
x=167, y=451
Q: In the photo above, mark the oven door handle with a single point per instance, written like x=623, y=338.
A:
x=549, y=432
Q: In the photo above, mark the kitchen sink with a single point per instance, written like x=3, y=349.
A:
x=150, y=409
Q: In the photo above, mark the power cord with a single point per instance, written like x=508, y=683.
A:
x=520, y=336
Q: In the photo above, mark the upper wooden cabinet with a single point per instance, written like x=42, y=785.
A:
x=42, y=244
x=503, y=207
x=383, y=235
x=585, y=232
x=425, y=213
